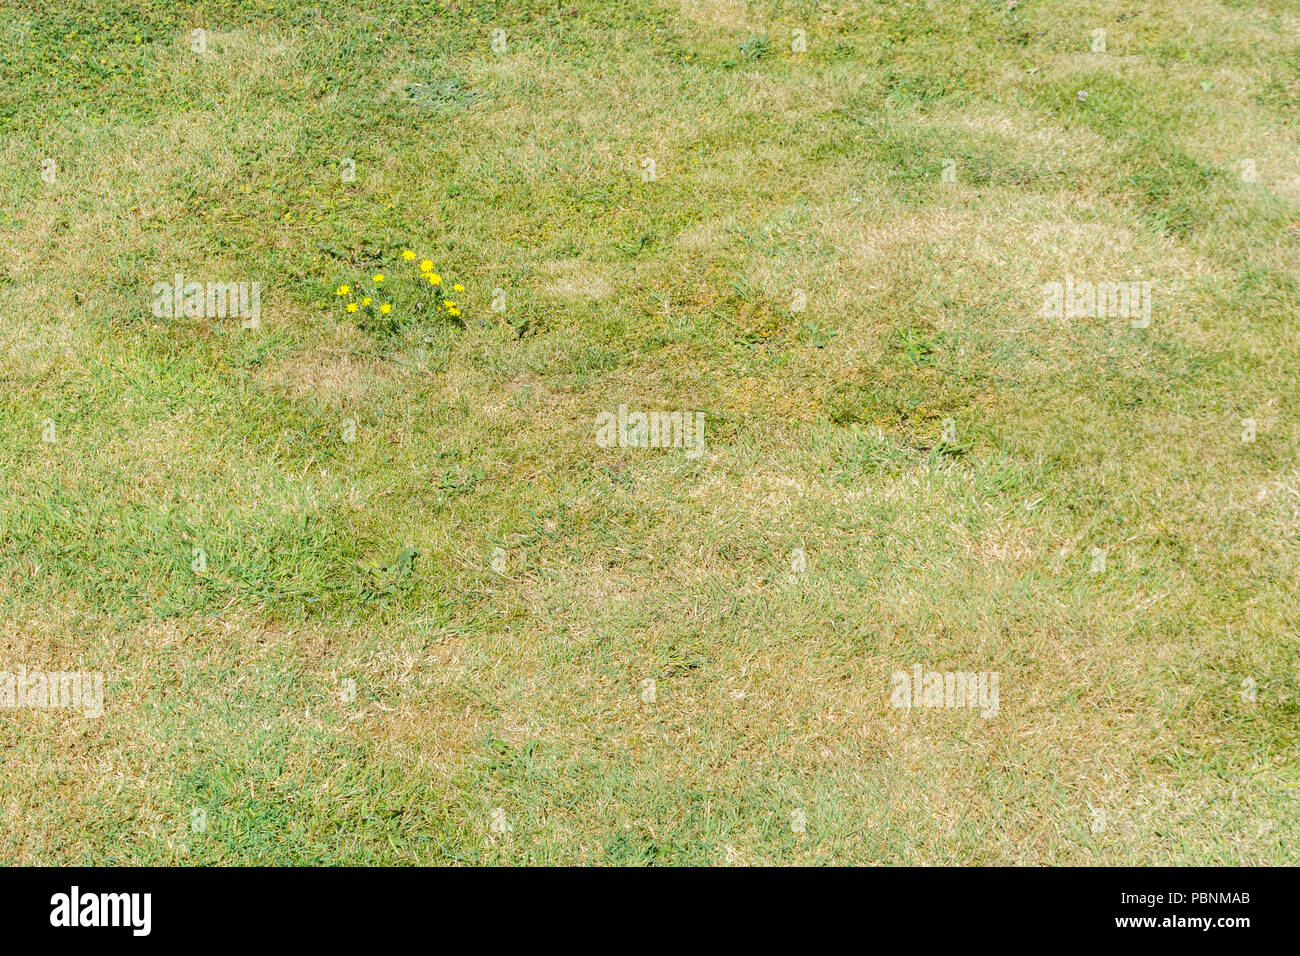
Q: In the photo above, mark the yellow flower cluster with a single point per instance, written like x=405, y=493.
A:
x=367, y=302
x=358, y=300
x=428, y=275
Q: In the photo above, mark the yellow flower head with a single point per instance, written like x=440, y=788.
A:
x=426, y=265
x=434, y=278
x=343, y=290
x=408, y=255
x=385, y=308
x=448, y=303
x=377, y=278
x=352, y=307
x=366, y=301
x=458, y=288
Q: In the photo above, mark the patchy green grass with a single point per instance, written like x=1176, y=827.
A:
x=371, y=591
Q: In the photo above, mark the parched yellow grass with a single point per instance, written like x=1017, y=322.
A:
x=732, y=14
x=518, y=684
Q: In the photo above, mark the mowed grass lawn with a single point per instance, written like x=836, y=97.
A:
x=673, y=207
